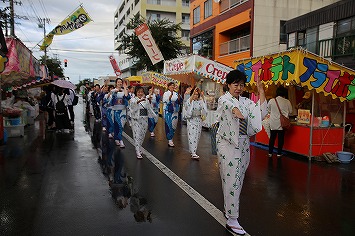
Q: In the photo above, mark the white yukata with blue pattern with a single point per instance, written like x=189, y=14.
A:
x=193, y=112
x=233, y=149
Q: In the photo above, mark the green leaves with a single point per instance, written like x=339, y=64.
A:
x=164, y=33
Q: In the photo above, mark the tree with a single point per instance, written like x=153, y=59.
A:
x=164, y=33
x=54, y=66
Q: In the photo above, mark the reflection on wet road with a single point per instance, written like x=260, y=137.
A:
x=83, y=184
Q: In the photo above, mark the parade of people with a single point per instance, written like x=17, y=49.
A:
x=203, y=117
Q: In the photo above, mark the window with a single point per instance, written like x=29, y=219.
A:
x=208, y=8
x=301, y=38
x=185, y=34
x=283, y=34
x=154, y=2
x=196, y=15
x=203, y=44
x=154, y=16
x=346, y=27
x=311, y=42
x=185, y=18
x=185, y=3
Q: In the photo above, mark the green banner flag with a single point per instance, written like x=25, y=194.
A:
x=75, y=21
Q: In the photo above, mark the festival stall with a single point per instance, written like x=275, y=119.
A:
x=318, y=128
x=198, y=71
x=21, y=71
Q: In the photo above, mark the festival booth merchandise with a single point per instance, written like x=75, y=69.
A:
x=318, y=91
x=201, y=72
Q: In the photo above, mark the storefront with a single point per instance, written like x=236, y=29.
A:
x=204, y=73
x=318, y=90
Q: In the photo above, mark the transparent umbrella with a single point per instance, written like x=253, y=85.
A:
x=64, y=84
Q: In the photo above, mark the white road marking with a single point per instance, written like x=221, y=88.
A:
x=203, y=202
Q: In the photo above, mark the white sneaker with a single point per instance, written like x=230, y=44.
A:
x=195, y=156
x=110, y=135
x=152, y=134
x=117, y=142
x=121, y=144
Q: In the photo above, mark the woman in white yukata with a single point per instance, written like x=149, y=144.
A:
x=195, y=108
x=119, y=102
x=154, y=97
x=140, y=107
x=239, y=118
x=171, y=109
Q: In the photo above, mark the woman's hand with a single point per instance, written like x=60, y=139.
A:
x=261, y=92
x=188, y=90
x=237, y=114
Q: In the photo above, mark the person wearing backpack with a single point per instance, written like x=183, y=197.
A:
x=61, y=100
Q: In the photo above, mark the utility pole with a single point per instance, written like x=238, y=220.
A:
x=12, y=16
x=42, y=24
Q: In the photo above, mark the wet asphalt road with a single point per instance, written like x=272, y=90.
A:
x=82, y=184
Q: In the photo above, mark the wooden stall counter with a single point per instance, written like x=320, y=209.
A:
x=297, y=139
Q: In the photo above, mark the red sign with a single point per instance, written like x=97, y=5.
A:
x=115, y=67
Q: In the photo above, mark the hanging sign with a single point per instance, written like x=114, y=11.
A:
x=302, y=68
x=115, y=67
x=148, y=42
x=197, y=65
x=158, y=79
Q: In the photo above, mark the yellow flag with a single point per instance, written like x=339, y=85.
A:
x=76, y=20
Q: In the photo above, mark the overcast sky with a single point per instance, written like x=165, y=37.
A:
x=86, y=49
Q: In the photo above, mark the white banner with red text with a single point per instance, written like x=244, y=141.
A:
x=148, y=42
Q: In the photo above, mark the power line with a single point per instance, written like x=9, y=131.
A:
x=86, y=51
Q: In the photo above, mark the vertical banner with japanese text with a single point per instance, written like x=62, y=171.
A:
x=115, y=67
x=147, y=40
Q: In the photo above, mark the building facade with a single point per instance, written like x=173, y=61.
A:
x=228, y=30
x=328, y=32
x=174, y=10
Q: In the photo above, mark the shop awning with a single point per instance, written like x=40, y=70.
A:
x=299, y=67
x=188, y=69
x=22, y=68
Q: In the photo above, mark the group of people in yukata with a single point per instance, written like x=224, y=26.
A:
x=116, y=105
x=238, y=117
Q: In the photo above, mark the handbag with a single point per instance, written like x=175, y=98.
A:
x=285, y=122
